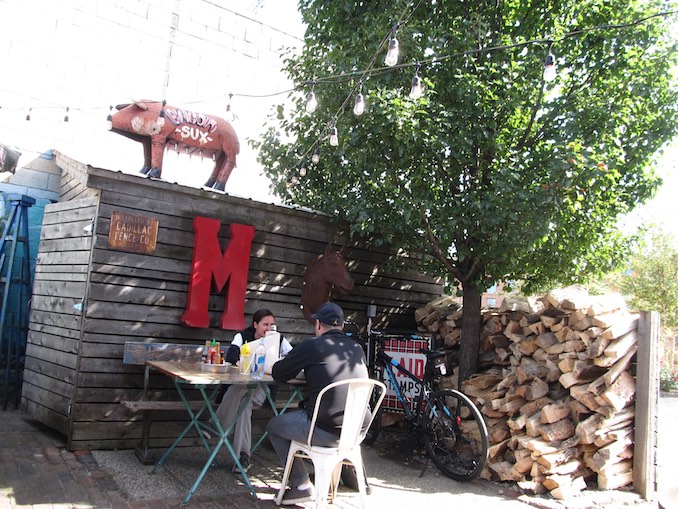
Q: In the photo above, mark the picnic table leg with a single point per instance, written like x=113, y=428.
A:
x=223, y=440
x=193, y=423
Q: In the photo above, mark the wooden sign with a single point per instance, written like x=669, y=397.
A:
x=137, y=234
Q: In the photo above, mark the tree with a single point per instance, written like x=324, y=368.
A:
x=652, y=283
x=493, y=174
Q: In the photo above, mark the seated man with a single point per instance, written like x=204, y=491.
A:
x=330, y=356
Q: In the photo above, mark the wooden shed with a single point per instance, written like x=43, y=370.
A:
x=88, y=299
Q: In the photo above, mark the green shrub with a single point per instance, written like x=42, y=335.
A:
x=668, y=379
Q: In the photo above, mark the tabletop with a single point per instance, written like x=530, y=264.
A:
x=191, y=372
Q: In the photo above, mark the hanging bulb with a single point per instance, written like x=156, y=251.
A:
x=315, y=158
x=161, y=115
x=66, y=117
x=334, y=137
x=109, y=118
x=359, y=107
x=302, y=170
x=550, y=73
x=417, y=90
x=311, y=102
x=230, y=116
x=393, y=49
x=28, y=115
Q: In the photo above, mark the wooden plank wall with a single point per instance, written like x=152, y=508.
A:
x=61, y=273
x=136, y=297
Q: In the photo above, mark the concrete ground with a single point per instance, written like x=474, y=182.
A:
x=37, y=471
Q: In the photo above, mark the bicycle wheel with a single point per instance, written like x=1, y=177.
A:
x=455, y=434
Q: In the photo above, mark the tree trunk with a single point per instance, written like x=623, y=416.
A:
x=470, y=331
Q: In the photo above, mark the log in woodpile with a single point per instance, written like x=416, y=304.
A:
x=557, y=390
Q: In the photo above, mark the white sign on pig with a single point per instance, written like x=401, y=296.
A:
x=158, y=126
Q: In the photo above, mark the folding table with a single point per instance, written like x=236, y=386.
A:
x=185, y=374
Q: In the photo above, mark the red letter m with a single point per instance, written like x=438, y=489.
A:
x=231, y=268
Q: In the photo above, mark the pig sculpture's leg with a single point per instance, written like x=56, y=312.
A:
x=225, y=172
x=147, y=156
x=215, y=172
x=157, y=152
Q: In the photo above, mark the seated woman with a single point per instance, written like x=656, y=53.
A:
x=230, y=403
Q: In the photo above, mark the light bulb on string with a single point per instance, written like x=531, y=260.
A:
x=359, y=106
x=315, y=158
x=161, y=115
x=311, y=100
x=417, y=90
x=230, y=116
x=550, y=73
x=393, y=49
x=334, y=136
x=109, y=118
x=66, y=116
x=302, y=169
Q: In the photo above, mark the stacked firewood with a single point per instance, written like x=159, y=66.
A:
x=557, y=392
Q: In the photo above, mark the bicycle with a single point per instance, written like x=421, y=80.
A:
x=453, y=429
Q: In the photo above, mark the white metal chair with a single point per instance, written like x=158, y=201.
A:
x=327, y=461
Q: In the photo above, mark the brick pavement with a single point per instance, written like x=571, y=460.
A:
x=36, y=471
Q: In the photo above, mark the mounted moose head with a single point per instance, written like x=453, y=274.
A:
x=157, y=126
x=324, y=273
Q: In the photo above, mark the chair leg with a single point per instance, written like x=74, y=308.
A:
x=286, y=476
x=362, y=481
x=334, y=483
x=324, y=476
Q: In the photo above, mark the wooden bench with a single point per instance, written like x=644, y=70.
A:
x=137, y=353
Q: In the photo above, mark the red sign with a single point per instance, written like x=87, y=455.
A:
x=406, y=352
x=229, y=267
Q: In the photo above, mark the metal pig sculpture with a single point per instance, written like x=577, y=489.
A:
x=158, y=126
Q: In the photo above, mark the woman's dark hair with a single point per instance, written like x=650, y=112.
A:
x=260, y=314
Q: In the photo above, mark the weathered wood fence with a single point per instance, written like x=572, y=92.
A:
x=89, y=299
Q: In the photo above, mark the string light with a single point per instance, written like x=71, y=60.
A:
x=66, y=116
x=311, y=100
x=393, y=49
x=109, y=118
x=315, y=158
x=416, y=91
x=334, y=134
x=230, y=116
x=550, y=73
x=161, y=115
x=359, y=106
x=302, y=169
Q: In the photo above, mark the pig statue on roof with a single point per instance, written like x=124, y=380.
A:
x=158, y=126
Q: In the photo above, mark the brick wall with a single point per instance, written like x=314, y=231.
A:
x=88, y=55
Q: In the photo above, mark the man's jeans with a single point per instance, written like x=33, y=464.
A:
x=295, y=425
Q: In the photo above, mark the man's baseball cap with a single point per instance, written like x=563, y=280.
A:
x=329, y=314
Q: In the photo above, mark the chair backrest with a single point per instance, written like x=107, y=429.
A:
x=358, y=400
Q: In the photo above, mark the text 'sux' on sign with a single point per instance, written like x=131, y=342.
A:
x=137, y=234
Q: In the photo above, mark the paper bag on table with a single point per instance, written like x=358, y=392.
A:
x=272, y=344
